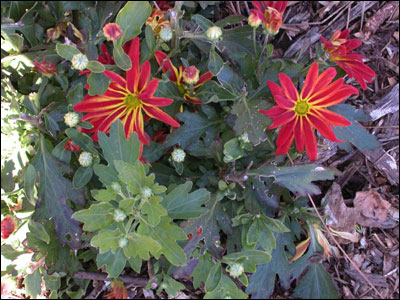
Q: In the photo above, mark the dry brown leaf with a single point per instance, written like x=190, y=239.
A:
x=373, y=209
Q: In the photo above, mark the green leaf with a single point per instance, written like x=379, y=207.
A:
x=316, y=284
x=95, y=66
x=9, y=253
x=29, y=183
x=75, y=94
x=275, y=224
x=97, y=216
x=106, y=240
x=249, y=259
x=203, y=22
x=104, y=195
x=98, y=83
x=141, y=246
x=150, y=40
x=7, y=178
x=116, y=147
x=201, y=271
x=211, y=91
x=226, y=289
x=82, y=176
x=132, y=17
x=126, y=205
x=231, y=20
x=122, y=60
x=237, y=40
x=173, y=287
x=213, y=277
x=114, y=263
x=135, y=263
x=233, y=151
x=250, y=120
x=166, y=234
x=154, y=210
x=215, y=62
x=33, y=284
x=60, y=153
x=38, y=230
x=297, y=179
x=195, y=126
x=355, y=134
x=54, y=190
x=66, y=51
x=181, y=204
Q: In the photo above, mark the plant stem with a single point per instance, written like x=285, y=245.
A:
x=254, y=42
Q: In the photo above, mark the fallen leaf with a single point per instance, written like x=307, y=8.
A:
x=373, y=209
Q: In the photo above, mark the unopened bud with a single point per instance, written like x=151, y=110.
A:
x=116, y=187
x=71, y=119
x=146, y=193
x=85, y=159
x=166, y=34
x=178, y=155
x=214, y=33
x=254, y=20
x=80, y=61
x=123, y=242
x=236, y=270
x=119, y=215
x=112, y=31
x=191, y=75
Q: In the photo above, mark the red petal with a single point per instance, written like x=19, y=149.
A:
x=166, y=65
x=299, y=135
x=324, y=79
x=288, y=87
x=310, y=140
x=132, y=75
x=284, y=148
x=193, y=100
x=273, y=112
x=286, y=132
x=284, y=118
x=158, y=114
x=144, y=76
x=157, y=101
x=310, y=82
x=323, y=127
x=105, y=125
x=203, y=79
x=336, y=96
x=353, y=44
x=97, y=105
x=139, y=126
x=115, y=77
x=150, y=89
x=326, y=91
x=332, y=118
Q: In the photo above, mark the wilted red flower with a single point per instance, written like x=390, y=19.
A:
x=301, y=113
x=118, y=290
x=270, y=13
x=176, y=75
x=46, y=68
x=71, y=146
x=125, y=99
x=112, y=31
x=156, y=21
x=8, y=226
x=338, y=48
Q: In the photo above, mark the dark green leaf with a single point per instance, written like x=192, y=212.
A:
x=203, y=22
x=95, y=66
x=215, y=62
x=39, y=231
x=66, y=51
x=181, y=204
x=150, y=40
x=297, y=179
x=98, y=83
x=33, y=284
x=81, y=139
x=231, y=20
x=213, y=277
x=121, y=58
x=211, y=91
x=132, y=17
x=114, y=262
x=82, y=176
x=29, y=183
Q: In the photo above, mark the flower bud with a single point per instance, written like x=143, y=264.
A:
x=214, y=33
x=112, y=31
x=8, y=226
x=178, y=155
x=116, y=187
x=71, y=146
x=191, y=75
x=244, y=138
x=236, y=270
x=119, y=215
x=79, y=61
x=166, y=34
x=254, y=20
x=71, y=119
x=146, y=193
x=123, y=242
x=85, y=159
x=222, y=186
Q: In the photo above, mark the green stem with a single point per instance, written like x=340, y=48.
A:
x=254, y=41
x=263, y=49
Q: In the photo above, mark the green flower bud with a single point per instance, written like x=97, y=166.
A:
x=123, y=242
x=71, y=119
x=214, y=33
x=244, y=138
x=85, y=159
x=116, y=187
x=146, y=193
x=222, y=186
x=166, y=34
x=236, y=270
x=119, y=215
x=79, y=61
x=178, y=155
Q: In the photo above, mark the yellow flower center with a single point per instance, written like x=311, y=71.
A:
x=302, y=107
x=132, y=101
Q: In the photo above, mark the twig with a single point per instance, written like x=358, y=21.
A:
x=241, y=177
x=152, y=276
x=337, y=243
x=137, y=281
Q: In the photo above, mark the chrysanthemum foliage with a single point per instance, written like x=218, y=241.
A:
x=149, y=140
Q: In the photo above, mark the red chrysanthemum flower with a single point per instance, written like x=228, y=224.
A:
x=338, y=48
x=112, y=31
x=118, y=290
x=270, y=13
x=301, y=113
x=8, y=226
x=46, y=68
x=176, y=75
x=126, y=99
